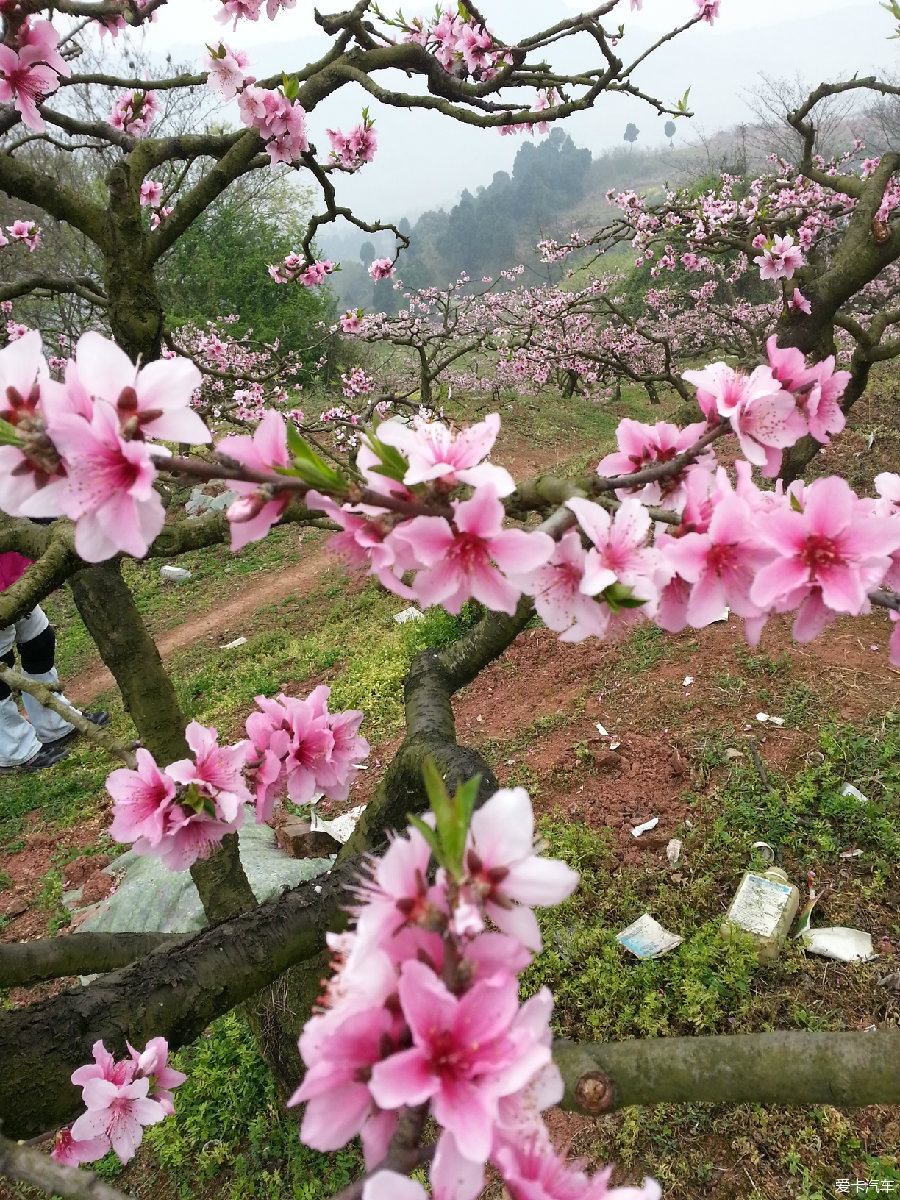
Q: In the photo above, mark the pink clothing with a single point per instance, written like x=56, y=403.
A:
x=12, y=568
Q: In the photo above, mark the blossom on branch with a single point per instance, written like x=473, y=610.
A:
x=121, y=1098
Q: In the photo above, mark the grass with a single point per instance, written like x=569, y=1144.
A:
x=708, y=985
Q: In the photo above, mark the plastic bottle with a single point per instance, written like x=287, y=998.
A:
x=764, y=906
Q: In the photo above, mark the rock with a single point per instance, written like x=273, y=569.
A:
x=302, y=841
x=16, y=907
x=150, y=898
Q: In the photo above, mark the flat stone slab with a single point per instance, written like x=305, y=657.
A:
x=149, y=898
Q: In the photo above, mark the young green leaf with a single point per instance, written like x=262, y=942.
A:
x=9, y=435
x=619, y=596
x=392, y=463
x=429, y=835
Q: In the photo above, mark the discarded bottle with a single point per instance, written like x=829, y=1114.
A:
x=764, y=906
x=174, y=574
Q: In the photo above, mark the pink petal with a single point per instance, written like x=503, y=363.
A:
x=103, y=367
x=541, y=881
x=503, y=828
x=388, y=1185
x=402, y=1079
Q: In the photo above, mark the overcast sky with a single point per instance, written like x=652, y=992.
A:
x=425, y=160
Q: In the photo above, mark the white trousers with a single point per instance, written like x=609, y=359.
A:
x=20, y=740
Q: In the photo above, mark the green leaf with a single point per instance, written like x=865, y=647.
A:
x=392, y=462
x=452, y=817
x=682, y=104
x=309, y=467
x=290, y=85
x=795, y=503
x=429, y=835
x=621, y=595
x=9, y=435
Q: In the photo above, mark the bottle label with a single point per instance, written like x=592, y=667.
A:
x=759, y=905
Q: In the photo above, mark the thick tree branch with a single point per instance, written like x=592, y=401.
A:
x=848, y=1070
x=56, y=561
x=81, y=285
x=243, y=156
x=174, y=993
x=21, y=180
x=25, y=963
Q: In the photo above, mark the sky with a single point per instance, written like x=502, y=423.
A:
x=424, y=160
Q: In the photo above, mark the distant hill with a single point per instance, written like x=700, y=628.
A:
x=554, y=188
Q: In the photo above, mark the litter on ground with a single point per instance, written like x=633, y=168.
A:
x=646, y=938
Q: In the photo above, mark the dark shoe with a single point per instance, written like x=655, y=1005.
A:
x=98, y=718
x=47, y=756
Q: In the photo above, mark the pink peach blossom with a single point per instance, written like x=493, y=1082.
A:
x=476, y=558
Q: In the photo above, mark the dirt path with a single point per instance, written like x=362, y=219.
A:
x=262, y=589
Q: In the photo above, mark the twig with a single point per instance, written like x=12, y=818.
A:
x=45, y=695
x=758, y=763
x=41, y=1171
x=404, y=1153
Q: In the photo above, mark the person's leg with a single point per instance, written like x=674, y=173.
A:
x=18, y=740
x=37, y=646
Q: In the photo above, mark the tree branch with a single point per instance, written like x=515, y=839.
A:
x=25, y=963
x=81, y=285
x=46, y=694
x=848, y=1070
x=41, y=1171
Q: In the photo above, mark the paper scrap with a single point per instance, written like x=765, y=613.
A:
x=673, y=851
x=341, y=827
x=646, y=938
x=233, y=645
x=639, y=829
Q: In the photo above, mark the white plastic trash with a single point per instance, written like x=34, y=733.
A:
x=839, y=942
x=174, y=574
x=646, y=938
x=341, y=827
x=647, y=825
x=234, y=645
x=409, y=614
x=849, y=790
x=765, y=851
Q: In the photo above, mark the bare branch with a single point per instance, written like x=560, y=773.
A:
x=46, y=694
x=41, y=1171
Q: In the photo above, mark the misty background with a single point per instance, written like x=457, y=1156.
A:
x=429, y=165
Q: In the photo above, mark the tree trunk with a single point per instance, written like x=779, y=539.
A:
x=135, y=309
